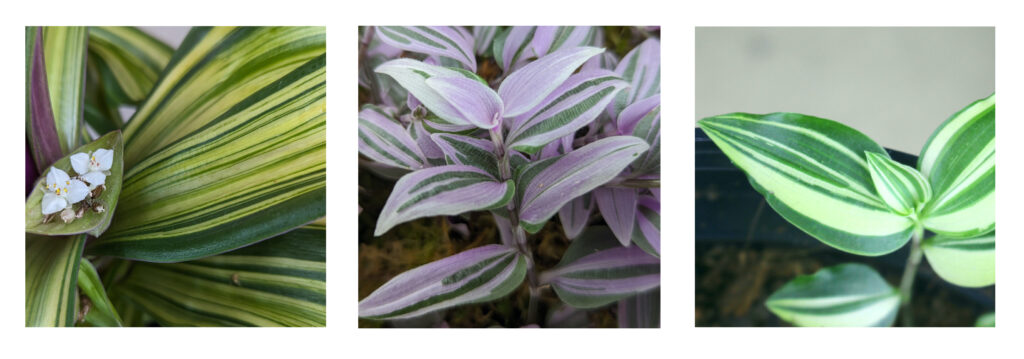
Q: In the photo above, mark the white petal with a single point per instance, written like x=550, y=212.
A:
x=53, y=203
x=77, y=191
x=94, y=178
x=80, y=162
x=105, y=157
x=56, y=177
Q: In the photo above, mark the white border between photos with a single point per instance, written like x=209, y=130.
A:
x=678, y=338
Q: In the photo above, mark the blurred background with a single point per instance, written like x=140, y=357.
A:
x=894, y=84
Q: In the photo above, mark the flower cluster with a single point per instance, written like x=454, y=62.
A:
x=62, y=191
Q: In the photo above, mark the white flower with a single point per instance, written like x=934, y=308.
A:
x=93, y=168
x=62, y=191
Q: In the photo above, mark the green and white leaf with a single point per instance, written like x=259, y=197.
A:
x=64, y=50
x=960, y=162
x=846, y=295
x=901, y=187
x=211, y=173
x=102, y=313
x=91, y=222
x=51, y=275
x=813, y=172
x=277, y=282
x=967, y=262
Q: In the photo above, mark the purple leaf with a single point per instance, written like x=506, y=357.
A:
x=642, y=69
x=446, y=41
x=43, y=137
x=571, y=106
x=648, y=128
x=476, y=275
x=618, y=207
x=466, y=150
x=444, y=190
x=557, y=147
x=575, y=214
x=549, y=39
x=632, y=114
x=483, y=36
x=430, y=149
x=385, y=141
x=525, y=88
x=596, y=270
x=478, y=104
x=513, y=47
x=504, y=227
x=548, y=184
x=640, y=311
x=647, y=231
x=412, y=76
x=604, y=61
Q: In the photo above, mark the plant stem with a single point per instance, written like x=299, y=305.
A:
x=909, y=273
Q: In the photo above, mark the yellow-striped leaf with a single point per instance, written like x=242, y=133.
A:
x=64, y=50
x=51, y=275
x=967, y=262
x=960, y=162
x=814, y=173
x=133, y=58
x=228, y=150
x=278, y=282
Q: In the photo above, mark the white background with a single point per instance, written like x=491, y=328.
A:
x=677, y=339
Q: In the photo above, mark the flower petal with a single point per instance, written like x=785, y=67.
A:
x=77, y=191
x=105, y=158
x=53, y=203
x=56, y=177
x=80, y=162
x=94, y=179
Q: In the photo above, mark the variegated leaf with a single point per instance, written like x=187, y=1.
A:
x=443, y=41
x=648, y=127
x=545, y=186
x=548, y=39
x=568, y=108
x=476, y=103
x=476, y=275
x=483, y=37
x=512, y=47
x=641, y=67
x=967, y=262
x=525, y=88
x=647, y=230
x=51, y=275
x=433, y=153
x=813, y=172
x=847, y=295
x=412, y=75
x=960, y=163
x=575, y=214
x=466, y=150
x=596, y=270
x=384, y=140
x=443, y=190
x=618, y=208
x=901, y=187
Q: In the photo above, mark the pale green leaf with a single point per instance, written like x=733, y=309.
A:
x=967, y=262
x=102, y=312
x=847, y=295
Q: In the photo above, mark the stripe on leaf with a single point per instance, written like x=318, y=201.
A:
x=483, y=37
x=443, y=190
x=102, y=313
x=959, y=161
x=901, y=187
x=812, y=171
x=412, y=75
x=64, y=50
x=217, y=73
x=256, y=172
x=442, y=41
x=277, y=282
x=512, y=47
x=847, y=295
x=43, y=140
x=476, y=275
x=597, y=270
x=466, y=150
x=641, y=67
x=134, y=58
x=967, y=262
x=549, y=39
x=618, y=208
x=568, y=108
x=575, y=214
x=525, y=88
x=647, y=230
x=384, y=140
x=51, y=278
x=545, y=186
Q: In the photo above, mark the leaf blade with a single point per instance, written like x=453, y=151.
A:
x=597, y=270
x=845, y=295
x=966, y=262
x=431, y=40
x=51, y=274
x=524, y=89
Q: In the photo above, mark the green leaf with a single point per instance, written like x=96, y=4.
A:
x=101, y=112
x=221, y=75
x=813, y=172
x=847, y=295
x=901, y=187
x=277, y=282
x=228, y=151
x=102, y=312
x=133, y=58
x=960, y=161
x=64, y=51
x=91, y=222
x=51, y=273
x=986, y=320
x=967, y=262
